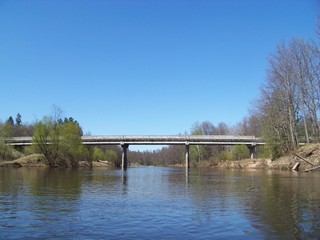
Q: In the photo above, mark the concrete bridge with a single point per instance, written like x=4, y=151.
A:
x=124, y=141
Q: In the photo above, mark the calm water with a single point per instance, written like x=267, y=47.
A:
x=158, y=203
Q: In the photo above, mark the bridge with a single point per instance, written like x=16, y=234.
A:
x=124, y=141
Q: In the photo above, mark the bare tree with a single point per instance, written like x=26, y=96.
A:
x=282, y=83
x=289, y=103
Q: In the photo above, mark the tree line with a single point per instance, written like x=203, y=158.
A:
x=202, y=154
x=57, y=138
x=66, y=149
x=288, y=107
x=285, y=114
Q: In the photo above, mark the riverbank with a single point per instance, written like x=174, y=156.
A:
x=310, y=152
x=33, y=160
x=308, y=155
x=39, y=160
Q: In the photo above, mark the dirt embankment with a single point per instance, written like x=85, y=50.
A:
x=33, y=160
x=310, y=153
x=39, y=160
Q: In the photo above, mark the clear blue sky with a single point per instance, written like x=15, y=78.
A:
x=141, y=66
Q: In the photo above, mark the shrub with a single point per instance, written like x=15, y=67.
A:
x=225, y=155
x=59, y=141
x=98, y=154
x=240, y=152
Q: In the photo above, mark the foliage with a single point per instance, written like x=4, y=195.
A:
x=59, y=141
x=18, y=119
x=112, y=156
x=6, y=130
x=10, y=121
x=205, y=152
x=225, y=155
x=6, y=152
x=170, y=155
x=240, y=152
x=98, y=154
x=107, y=153
x=196, y=154
x=27, y=150
x=16, y=129
x=264, y=151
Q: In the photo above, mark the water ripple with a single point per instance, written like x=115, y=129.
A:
x=158, y=203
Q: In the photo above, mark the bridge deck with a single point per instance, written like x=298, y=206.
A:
x=155, y=140
x=171, y=140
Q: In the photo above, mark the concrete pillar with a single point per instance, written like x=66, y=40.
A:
x=252, y=149
x=124, y=158
x=187, y=156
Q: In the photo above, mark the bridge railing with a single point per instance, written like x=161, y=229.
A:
x=172, y=139
x=155, y=139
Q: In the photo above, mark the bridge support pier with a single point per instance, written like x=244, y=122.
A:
x=253, y=151
x=187, y=155
x=124, y=157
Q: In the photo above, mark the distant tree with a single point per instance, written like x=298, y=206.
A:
x=10, y=121
x=206, y=152
x=22, y=130
x=202, y=128
x=7, y=128
x=222, y=129
x=199, y=153
x=171, y=155
x=18, y=119
x=72, y=120
x=250, y=126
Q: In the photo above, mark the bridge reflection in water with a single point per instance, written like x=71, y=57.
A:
x=124, y=141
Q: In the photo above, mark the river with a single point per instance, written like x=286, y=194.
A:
x=158, y=203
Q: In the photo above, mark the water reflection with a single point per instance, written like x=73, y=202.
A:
x=124, y=182
x=154, y=202
x=187, y=172
x=283, y=202
x=277, y=204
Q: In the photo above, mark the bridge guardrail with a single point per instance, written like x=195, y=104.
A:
x=155, y=139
